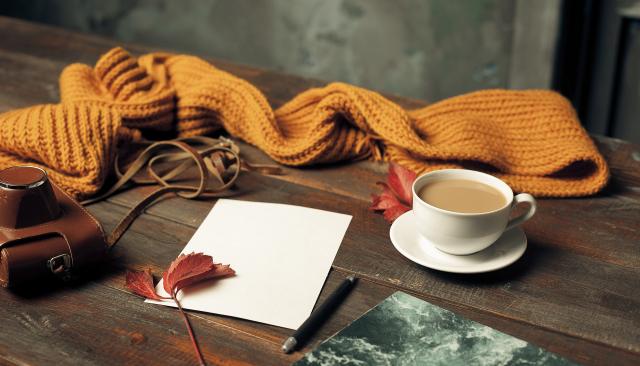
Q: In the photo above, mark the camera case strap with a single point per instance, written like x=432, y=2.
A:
x=45, y=233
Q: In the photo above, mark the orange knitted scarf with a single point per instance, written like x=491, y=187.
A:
x=531, y=139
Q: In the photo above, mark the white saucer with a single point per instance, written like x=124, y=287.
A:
x=506, y=250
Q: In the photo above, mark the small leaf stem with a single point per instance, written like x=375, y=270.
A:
x=196, y=347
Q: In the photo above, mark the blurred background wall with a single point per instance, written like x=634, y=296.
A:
x=415, y=48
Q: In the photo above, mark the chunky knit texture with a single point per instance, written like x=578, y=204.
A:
x=531, y=139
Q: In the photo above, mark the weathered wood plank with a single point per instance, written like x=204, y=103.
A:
x=581, y=280
x=624, y=161
x=147, y=244
x=93, y=324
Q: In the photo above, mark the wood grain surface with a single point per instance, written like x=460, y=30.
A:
x=576, y=291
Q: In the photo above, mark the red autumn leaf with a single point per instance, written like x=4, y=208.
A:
x=185, y=271
x=141, y=283
x=218, y=270
x=384, y=200
x=400, y=181
x=189, y=269
x=396, y=197
x=394, y=212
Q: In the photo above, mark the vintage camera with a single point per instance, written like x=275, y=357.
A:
x=44, y=233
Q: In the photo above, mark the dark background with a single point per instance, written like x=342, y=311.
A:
x=429, y=49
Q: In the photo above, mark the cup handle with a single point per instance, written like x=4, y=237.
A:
x=522, y=197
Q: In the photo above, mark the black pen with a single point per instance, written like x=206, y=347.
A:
x=318, y=316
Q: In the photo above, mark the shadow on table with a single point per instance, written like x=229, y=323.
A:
x=535, y=254
x=51, y=285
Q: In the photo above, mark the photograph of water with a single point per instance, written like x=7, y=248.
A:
x=404, y=330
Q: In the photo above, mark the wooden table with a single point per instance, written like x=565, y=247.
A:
x=576, y=291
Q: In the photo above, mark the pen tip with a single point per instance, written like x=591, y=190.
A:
x=351, y=278
x=289, y=345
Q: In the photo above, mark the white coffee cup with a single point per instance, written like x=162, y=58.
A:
x=466, y=233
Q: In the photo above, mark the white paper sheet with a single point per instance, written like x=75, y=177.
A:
x=281, y=254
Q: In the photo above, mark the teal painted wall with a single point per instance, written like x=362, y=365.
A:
x=423, y=49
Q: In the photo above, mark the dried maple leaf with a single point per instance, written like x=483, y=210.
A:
x=141, y=283
x=391, y=214
x=218, y=270
x=400, y=181
x=184, y=271
x=190, y=269
x=187, y=270
x=396, y=197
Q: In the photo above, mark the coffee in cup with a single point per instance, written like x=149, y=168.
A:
x=464, y=211
x=461, y=195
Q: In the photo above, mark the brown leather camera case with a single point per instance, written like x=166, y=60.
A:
x=43, y=231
